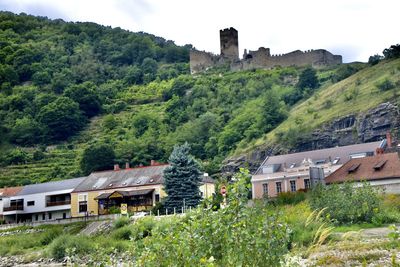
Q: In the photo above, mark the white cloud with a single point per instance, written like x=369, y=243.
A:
x=355, y=28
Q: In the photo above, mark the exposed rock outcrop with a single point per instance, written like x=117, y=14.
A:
x=351, y=129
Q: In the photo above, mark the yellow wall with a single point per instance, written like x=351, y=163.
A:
x=93, y=207
x=208, y=189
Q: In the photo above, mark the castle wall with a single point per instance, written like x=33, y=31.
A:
x=261, y=59
x=200, y=61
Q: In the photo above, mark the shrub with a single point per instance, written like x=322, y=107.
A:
x=385, y=85
x=289, y=198
x=123, y=233
x=346, y=203
x=65, y=244
x=143, y=228
x=234, y=236
x=121, y=222
x=50, y=235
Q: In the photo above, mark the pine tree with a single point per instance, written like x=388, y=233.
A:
x=182, y=179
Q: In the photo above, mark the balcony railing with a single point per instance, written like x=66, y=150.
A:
x=58, y=203
x=11, y=208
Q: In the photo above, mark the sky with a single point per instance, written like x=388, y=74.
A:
x=355, y=29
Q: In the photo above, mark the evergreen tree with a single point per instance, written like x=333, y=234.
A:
x=182, y=179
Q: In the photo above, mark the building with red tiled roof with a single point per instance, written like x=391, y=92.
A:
x=5, y=194
x=382, y=170
x=291, y=172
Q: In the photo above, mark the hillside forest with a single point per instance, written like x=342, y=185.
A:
x=79, y=97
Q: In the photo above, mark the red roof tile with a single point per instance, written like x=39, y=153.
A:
x=10, y=191
x=381, y=166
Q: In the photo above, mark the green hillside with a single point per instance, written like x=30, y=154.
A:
x=358, y=93
x=68, y=87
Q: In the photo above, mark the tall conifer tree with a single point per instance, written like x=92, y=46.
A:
x=182, y=179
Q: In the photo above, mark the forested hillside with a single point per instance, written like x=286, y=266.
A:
x=77, y=97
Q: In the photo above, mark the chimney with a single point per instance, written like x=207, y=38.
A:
x=116, y=167
x=126, y=165
x=389, y=139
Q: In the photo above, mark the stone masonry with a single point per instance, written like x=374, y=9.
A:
x=201, y=61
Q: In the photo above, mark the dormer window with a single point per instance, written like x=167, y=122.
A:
x=380, y=165
x=336, y=161
x=353, y=168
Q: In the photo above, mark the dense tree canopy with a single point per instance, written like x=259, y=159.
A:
x=97, y=157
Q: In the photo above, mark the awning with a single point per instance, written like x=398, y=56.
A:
x=124, y=193
x=103, y=196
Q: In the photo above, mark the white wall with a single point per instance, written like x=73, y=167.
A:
x=54, y=215
x=40, y=201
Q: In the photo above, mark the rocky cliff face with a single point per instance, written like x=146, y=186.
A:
x=352, y=129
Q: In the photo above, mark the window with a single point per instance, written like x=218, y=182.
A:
x=50, y=215
x=157, y=198
x=64, y=215
x=82, y=203
x=278, y=187
x=36, y=217
x=82, y=206
x=307, y=184
x=265, y=189
x=43, y=216
x=293, y=186
x=30, y=203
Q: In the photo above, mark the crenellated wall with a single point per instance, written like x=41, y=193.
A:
x=260, y=59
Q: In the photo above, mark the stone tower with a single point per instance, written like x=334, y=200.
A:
x=229, y=44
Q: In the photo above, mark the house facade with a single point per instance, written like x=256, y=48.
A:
x=5, y=194
x=381, y=170
x=292, y=172
x=41, y=202
x=140, y=188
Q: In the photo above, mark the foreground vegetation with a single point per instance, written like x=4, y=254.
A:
x=281, y=232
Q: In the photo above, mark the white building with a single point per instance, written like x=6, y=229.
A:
x=41, y=202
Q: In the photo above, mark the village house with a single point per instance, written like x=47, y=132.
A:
x=140, y=188
x=291, y=172
x=381, y=170
x=41, y=202
x=5, y=194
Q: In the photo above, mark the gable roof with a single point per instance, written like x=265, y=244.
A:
x=9, y=191
x=327, y=154
x=147, y=175
x=381, y=166
x=68, y=184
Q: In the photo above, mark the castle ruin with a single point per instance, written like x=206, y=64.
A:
x=260, y=59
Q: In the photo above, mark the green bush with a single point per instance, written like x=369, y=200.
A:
x=289, y=198
x=385, y=85
x=121, y=222
x=66, y=244
x=234, y=236
x=346, y=203
x=50, y=235
x=143, y=228
x=123, y=233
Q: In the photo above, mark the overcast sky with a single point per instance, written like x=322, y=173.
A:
x=355, y=29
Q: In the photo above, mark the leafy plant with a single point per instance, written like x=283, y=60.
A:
x=346, y=203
